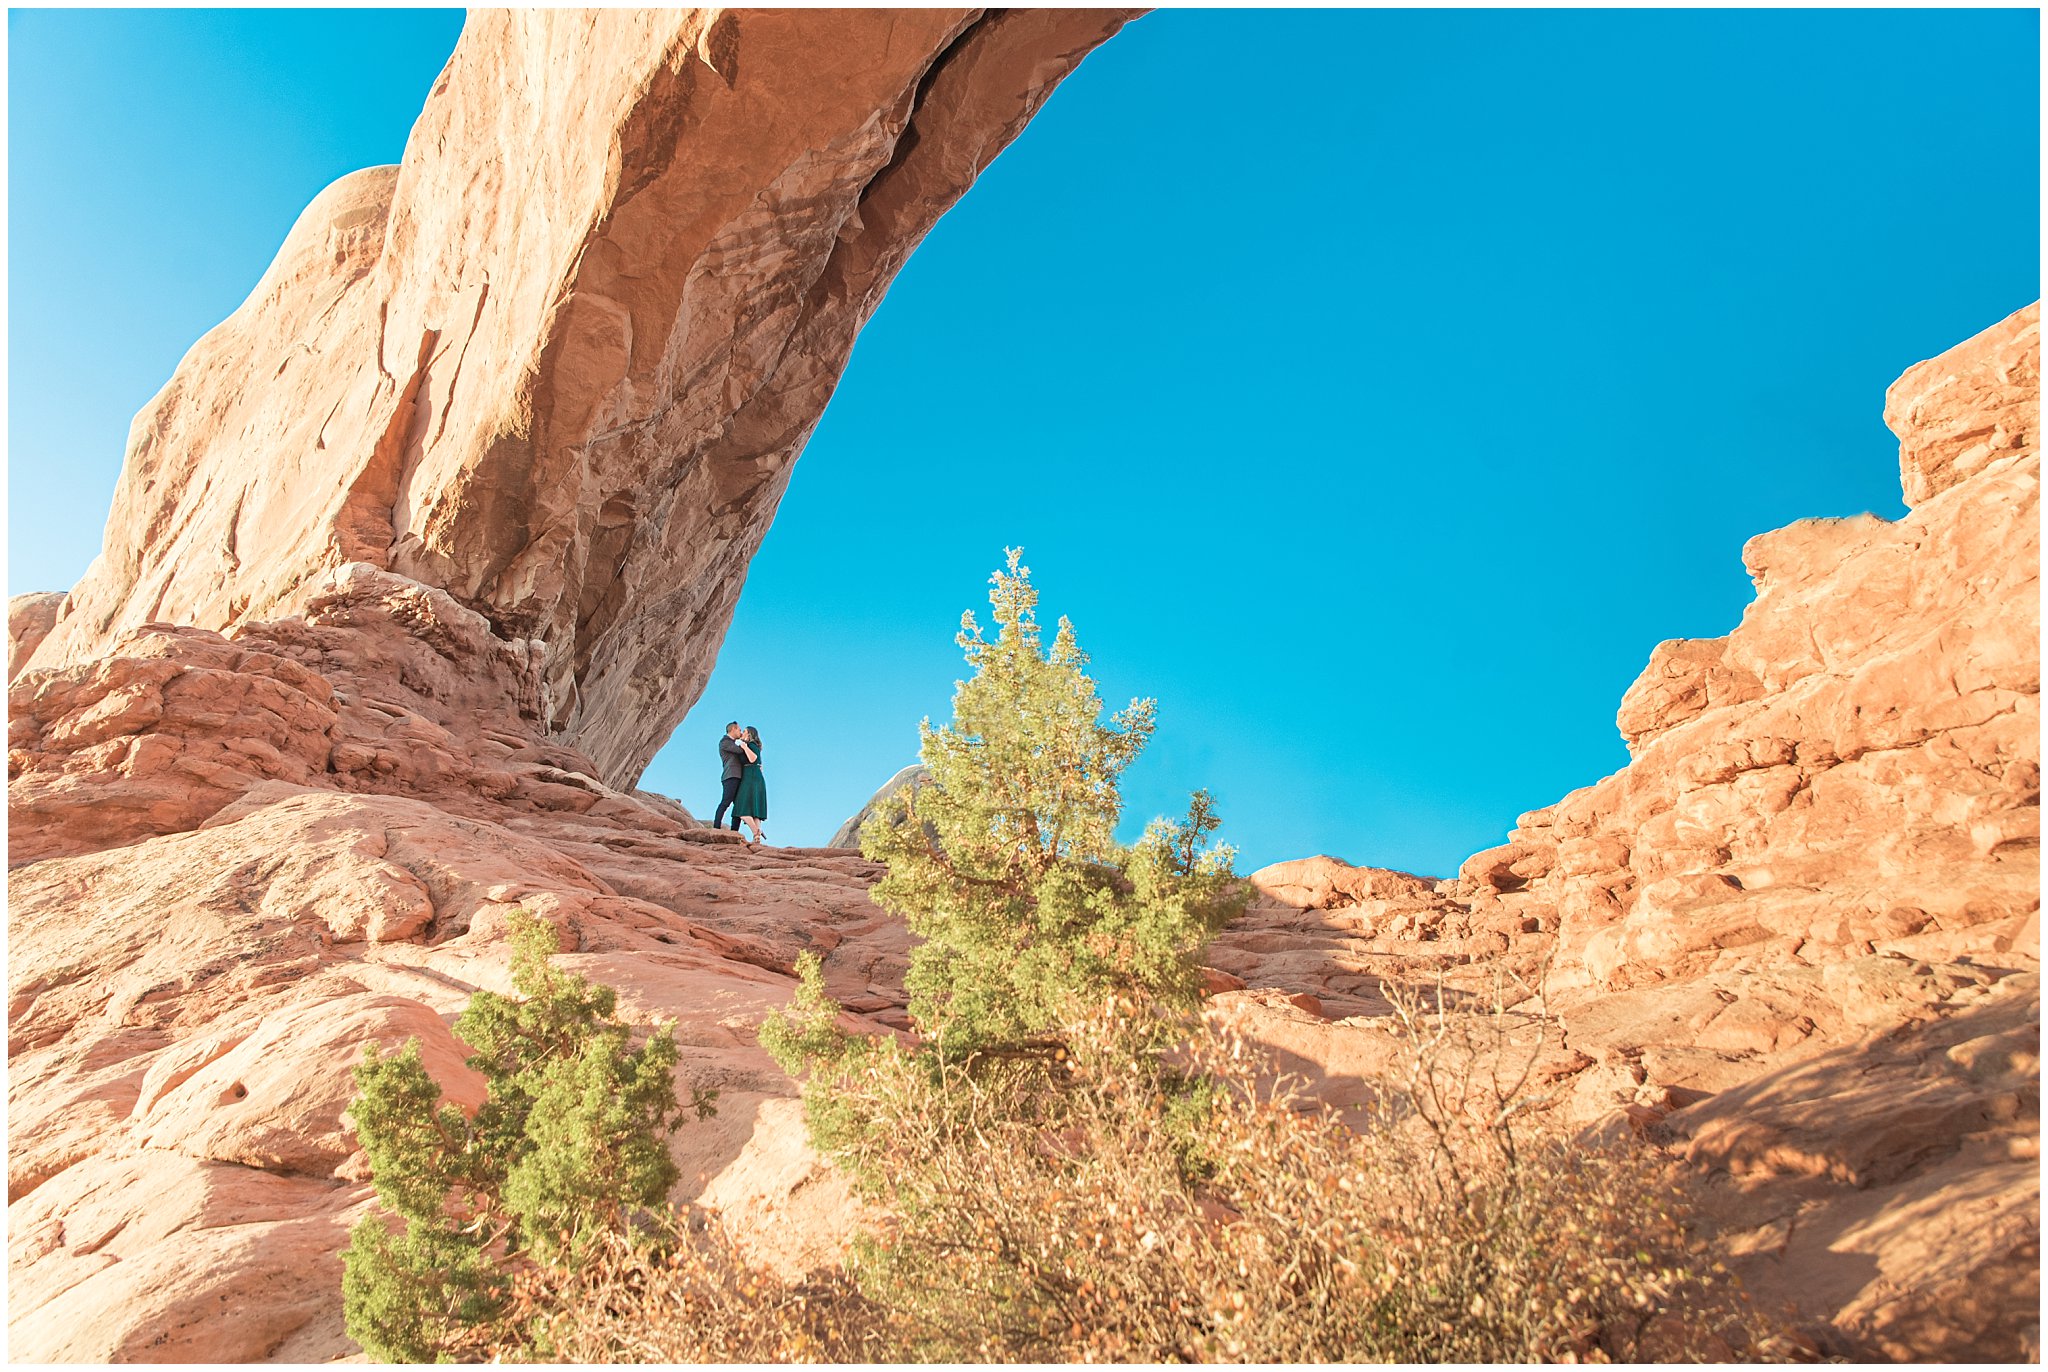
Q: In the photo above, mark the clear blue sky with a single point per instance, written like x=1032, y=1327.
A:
x=1374, y=388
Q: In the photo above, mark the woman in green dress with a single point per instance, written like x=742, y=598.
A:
x=750, y=807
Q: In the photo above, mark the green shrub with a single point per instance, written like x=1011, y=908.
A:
x=570, y=1143
x=805, y=1040
x=1006, y=865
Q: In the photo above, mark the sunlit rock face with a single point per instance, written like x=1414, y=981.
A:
x=1796, y=941
x=1855, y=770
x=29, y=618
x=1799, y=934
x=559, y=362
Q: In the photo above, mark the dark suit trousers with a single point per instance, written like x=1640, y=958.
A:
x=725, y=800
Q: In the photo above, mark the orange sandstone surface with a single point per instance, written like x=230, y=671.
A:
x=376, y=650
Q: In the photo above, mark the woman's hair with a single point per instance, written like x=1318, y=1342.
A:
x=753, y=734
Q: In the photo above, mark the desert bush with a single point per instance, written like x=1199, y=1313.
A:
x=684, y=1296
x=1108, y=1202
x=1006, y=866
x=1054, y=1215
x=570, y=1144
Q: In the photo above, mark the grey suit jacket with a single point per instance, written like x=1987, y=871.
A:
x=733, y=756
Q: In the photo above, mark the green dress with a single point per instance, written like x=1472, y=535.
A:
x=752, y=801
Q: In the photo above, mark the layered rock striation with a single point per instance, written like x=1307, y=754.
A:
x=1856, y=768
x=236, y=860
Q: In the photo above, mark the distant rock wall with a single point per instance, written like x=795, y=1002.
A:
x=1796, y=941
x=559, y=362
x=1856, y=768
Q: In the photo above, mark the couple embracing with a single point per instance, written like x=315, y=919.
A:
x=746, y=790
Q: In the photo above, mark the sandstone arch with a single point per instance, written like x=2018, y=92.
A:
x=560, y=361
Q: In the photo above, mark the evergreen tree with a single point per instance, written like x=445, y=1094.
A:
x=1006, y=863
x=571, y=1142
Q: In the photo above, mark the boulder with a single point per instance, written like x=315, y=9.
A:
x=848, y=834
x=29, y=619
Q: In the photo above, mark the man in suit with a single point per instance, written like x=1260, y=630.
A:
x=733, y=760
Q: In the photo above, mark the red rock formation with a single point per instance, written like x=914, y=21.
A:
x=1972, y=407
x=29, y=618
x=312, y=726
x=1797, y=938
x=1855, y=770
